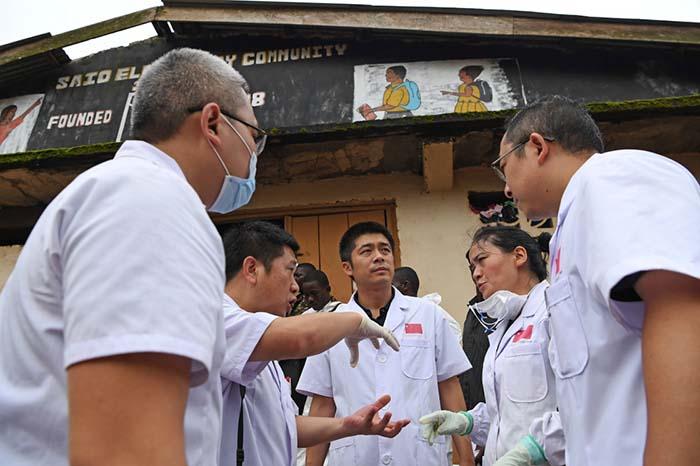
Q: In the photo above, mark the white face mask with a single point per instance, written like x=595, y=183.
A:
x=503, y=306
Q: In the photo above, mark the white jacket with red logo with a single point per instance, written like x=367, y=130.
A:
x=519, y=386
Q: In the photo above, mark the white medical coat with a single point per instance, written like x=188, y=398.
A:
x=269, y=413
x=124, y=260
x=518, y=385
x=430, y=353
x=622, y=212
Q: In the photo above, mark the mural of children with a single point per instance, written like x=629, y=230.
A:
x=473, y=92
x=400, y=96
x=8, y=122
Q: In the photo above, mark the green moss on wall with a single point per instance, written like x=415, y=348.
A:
x=602, y=110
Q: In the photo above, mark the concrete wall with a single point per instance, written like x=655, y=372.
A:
x=434, y=229
x=8, y=257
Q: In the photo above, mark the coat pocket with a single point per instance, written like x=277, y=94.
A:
x=525, y=373
x=341, y=452
x=417, y=361
x=569, y=347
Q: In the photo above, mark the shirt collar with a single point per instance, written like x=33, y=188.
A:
x=383, y=311
x=535, y=299
x=229, y=302
x=572, y=188
x=146, y=151
x=332, y=304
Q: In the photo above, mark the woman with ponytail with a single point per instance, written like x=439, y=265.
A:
x=519, y=423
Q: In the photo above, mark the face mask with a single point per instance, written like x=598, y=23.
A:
x=235, y=192
x=502, y=306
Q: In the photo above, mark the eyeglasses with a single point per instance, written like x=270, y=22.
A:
x=261, y=137
x=496, y=164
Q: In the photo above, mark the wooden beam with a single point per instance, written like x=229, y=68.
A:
x=542, y=27
x=79, y=35
x=438, y=22
x=438, y=166
x=377, y=19
x=374, y=18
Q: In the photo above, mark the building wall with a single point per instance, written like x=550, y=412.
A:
x=8, y=257
x=433, y=228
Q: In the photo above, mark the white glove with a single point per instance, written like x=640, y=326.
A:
x=526, y=453
x=372, y=330
x=445, y=423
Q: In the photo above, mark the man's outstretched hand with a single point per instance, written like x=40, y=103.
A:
x=366, y=421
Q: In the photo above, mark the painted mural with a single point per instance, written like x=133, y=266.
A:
x=17, y=118
x=398, y=90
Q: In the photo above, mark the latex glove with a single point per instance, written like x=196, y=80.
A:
x=372, y=330
x=526, y=453
x=445, y=423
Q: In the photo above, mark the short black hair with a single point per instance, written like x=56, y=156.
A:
x=558, y=117
x=307, y=265
x=398, y=70
x=319, y=277
x=409, y=275
x=262, y=240
x=474, y=70
x=347, y=242
x=508, y=238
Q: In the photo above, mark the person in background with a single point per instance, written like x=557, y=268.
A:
x=260, y=422
x=422, y=377
x=624, y=293
x=317, y=290
x=292, y=367
x=301, y=304
x=519, y=420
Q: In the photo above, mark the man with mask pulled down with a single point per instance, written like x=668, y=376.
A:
x=111, y=337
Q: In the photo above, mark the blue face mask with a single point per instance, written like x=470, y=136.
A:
x=235, y=192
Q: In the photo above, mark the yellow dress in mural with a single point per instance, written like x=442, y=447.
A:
x=471, y=103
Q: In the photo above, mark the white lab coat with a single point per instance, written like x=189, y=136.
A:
x=518, y=385
x=454, y=325
x=269, y=413
x=429, y=354
x=613, y=221
x=124, y=260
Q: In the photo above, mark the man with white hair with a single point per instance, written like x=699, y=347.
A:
x=111, y=336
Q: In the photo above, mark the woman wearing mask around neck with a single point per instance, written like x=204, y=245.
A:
x=519, y=423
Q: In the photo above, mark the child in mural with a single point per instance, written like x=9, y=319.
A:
x=401, y=96
x=8, y=122
x=473, y=92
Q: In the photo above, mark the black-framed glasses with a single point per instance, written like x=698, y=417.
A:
x=496, y=164
x=261, y=137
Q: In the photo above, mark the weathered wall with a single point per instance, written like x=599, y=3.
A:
x=8, y=257
x=433, y=228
